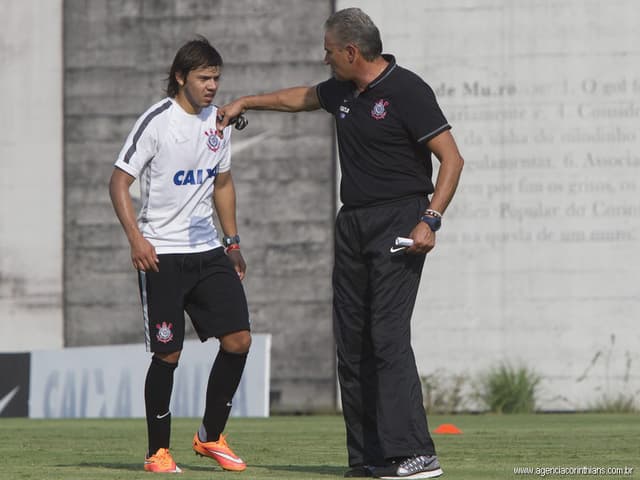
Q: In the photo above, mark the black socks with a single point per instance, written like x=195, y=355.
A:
x=157, y=395
x=224, y=379
x=223, y=382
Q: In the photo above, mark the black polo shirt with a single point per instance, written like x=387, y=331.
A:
x=382, y=135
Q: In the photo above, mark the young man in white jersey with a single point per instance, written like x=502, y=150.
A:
x=183, y=168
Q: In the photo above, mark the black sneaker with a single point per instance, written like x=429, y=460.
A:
x=360, y=471
x=422, y=466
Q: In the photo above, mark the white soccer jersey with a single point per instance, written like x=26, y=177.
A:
x=176, y=156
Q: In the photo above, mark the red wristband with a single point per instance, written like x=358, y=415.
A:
x=233, y=246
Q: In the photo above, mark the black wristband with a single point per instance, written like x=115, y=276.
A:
x=230, y=240
x=434, y=222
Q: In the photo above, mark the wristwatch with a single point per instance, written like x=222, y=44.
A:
x=230, y=240
x=433, y=219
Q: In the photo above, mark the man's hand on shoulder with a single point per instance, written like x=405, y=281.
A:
x=229, y=113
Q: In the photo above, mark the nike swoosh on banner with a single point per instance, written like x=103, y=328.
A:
x=7, y=398
x=236, y=146
x=396, y=249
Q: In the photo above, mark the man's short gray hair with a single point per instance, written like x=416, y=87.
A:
x=352, y=25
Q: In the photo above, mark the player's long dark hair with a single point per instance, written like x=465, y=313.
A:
x=193, y=54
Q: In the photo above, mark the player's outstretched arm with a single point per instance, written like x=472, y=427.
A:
x=295, y=99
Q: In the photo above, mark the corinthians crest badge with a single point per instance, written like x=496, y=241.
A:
x=164, y=335
x=379, y=110
x=213, y=142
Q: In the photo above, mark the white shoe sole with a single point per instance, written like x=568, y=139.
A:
x=430, y=474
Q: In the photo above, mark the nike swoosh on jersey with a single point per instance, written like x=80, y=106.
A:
x=396, y=249
x=7, y=398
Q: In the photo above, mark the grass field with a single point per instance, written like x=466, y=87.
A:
x=312, y=447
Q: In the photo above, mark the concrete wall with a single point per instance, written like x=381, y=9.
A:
x=117, y=54
x=31, y=175
x=538, y=259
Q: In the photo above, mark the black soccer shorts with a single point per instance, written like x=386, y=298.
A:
x=205, y=285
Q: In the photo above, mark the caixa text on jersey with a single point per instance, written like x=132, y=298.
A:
x=194, y=177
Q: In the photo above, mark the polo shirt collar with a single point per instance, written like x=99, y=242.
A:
x=386, y=72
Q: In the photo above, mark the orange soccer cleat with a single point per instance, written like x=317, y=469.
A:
x=220, y=452
x=161, y=462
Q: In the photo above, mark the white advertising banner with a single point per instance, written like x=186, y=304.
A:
x=108, y=381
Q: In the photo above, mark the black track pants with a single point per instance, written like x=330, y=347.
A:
x=374, y=295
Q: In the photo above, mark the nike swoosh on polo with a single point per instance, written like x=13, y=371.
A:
x=396, y=249
x=7, y=398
